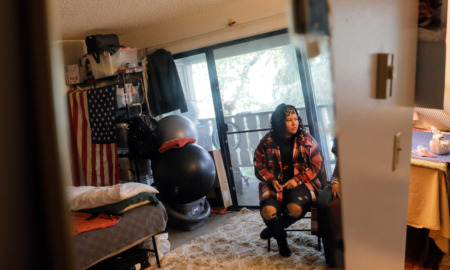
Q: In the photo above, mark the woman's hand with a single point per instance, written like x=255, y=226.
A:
x=335, y=189
x=277, y=186
x=290, y=184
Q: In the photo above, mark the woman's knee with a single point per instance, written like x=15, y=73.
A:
x=268, y=212
x=294, y=210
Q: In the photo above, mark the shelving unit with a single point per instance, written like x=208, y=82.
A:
x=131, y=103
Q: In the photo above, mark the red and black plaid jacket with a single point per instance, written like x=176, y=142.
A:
x=308, y=162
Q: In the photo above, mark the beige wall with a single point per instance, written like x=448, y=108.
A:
x=73, y=50
x=66, y=52
x=199, y=30
x=211, y=26
x=375, y=197
x=434, y=109
x=426, y=118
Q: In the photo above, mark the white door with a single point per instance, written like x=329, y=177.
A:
x=375, y=198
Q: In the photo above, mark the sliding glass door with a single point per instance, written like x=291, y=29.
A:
x=254, y=77
x=233, y=88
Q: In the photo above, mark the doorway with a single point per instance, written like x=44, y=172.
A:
x=233, y=88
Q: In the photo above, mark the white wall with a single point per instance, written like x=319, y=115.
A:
x=211, y=26
x=73, y=50
x=375, y=198
x=66, y=52
x=201, y=29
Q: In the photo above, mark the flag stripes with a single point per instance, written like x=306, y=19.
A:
x=93, y=164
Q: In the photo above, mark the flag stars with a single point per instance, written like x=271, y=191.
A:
x=102, y=112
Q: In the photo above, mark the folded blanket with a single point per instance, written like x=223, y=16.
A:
x=89, y=197
x=119, y=208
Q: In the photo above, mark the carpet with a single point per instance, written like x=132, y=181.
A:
x=236, y=245
x=445, y=263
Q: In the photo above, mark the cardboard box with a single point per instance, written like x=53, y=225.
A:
x=219, y=195
x=73, y=75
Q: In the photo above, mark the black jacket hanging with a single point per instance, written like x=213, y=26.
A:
x=165, y=91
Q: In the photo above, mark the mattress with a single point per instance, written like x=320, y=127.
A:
x=134, y=227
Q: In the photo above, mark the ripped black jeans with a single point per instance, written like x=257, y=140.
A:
x=299, y=195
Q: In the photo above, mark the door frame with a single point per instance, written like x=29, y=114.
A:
x=307, y=86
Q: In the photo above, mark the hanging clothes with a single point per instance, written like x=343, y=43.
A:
x=165, y=93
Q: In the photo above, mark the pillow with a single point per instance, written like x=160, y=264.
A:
x=72, y=192
x=99, y=196
x=118, y=208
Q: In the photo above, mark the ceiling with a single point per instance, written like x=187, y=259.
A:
x=77, y=19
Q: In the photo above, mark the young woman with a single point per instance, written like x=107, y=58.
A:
x=287, y=161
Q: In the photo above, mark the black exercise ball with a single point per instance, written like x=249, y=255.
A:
x=186, y=174
x=176, y=126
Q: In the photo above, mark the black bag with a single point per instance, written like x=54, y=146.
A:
x=123, y=114
x=143, y=137
x=96, y=44
x=127, y=260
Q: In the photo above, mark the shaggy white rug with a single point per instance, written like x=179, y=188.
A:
x=445, y=263
x=237, y=245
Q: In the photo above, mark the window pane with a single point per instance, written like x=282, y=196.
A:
x=320, y=67
x=255, y=78
x=193, y=73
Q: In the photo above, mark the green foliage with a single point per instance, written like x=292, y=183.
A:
x=235, y=80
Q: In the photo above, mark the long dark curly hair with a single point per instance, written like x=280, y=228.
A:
x=278, y=124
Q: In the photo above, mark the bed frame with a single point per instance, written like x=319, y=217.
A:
x=135, y=227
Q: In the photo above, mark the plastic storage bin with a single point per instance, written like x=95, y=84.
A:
x=110, y=64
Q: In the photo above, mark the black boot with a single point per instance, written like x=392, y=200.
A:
x=266, y=233
x=283, y=247
x=286, y=221
x=274, y=229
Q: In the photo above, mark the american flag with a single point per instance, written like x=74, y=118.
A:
x=93, y=137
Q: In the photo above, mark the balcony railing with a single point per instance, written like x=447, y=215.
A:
x=246, y=129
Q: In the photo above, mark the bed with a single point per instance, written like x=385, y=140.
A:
x=140, y=217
